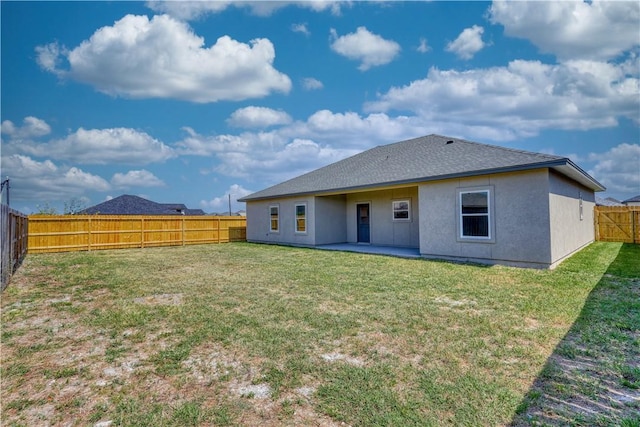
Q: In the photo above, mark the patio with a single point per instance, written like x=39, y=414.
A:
x=401, y=252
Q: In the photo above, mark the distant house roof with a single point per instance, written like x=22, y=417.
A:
x=635, y=199
x=609, y=201
x=427, y=158
x=134, y=205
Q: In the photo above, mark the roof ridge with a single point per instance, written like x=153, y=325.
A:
x=475, y=143
x=515, y=150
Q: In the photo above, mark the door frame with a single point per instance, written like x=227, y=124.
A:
x=368, y=205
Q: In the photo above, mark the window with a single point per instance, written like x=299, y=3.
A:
x=275, y=218
x=301, y=218
x=401, y=209
x=474, y=214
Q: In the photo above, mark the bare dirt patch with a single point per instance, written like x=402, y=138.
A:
x=339, y=357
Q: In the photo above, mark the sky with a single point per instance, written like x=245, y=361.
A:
x=199, y=102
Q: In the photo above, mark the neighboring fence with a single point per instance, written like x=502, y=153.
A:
x=62, y=233
x=617, y=223
x=14, y=242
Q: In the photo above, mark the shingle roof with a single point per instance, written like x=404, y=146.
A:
x=609, y=201
x=633, y=199
x=421, y=159
x=134, y=205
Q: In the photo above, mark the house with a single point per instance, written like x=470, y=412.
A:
x=134, y=205
x=227, y=213
x=449, y=198
x=609, y=201
x=634, y=201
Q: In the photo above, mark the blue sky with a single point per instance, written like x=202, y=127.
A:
x=188, y=102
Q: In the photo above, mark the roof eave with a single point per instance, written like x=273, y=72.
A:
x=573, y=171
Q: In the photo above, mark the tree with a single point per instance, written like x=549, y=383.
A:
x=46, y=209
x=74, y=206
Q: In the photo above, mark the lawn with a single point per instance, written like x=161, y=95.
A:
x=243, y=334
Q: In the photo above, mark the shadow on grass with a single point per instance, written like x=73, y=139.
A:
x=593, y=376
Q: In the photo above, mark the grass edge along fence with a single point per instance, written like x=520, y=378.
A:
x=15, y=228
x=66, y=233
x=617, y=223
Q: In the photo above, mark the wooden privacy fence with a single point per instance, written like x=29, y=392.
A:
x=617, y=223
x=61, y=233
x=14, y=242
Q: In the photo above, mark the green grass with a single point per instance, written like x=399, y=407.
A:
x=593, y=376
x=243, y=334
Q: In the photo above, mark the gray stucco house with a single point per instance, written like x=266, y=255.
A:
x=450, y=198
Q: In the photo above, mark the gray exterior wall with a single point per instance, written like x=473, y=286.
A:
x=520, y=219
x=258, y=222
x=569, y=232
x=330, y=214
x=326, y=221
x=384, y=230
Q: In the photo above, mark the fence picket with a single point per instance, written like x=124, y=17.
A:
x=617, y=223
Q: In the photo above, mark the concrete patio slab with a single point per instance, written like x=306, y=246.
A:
x=372, y=249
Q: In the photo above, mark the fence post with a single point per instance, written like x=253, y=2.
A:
x=142, y=232
x=183, y=232
x=14, y=229
x=12, y=243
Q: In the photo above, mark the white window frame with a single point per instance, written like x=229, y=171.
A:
x=394, y=210
x=277, y=208
x=490, y=238
x=295, y=218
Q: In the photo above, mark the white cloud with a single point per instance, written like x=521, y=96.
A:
x=136, y=178
x=423, y=47
x=36, y=181
x=275, y=164
x=32, y=127
x=596, y=30
x=309, y=83
x=618, y=169
x=164, y=58
x=262, y=156
x=99, y=146
x=189, y=10
x=199, y=145
x=521, y=99
x=356, y=131
x=48, y=57
x=335, y=7
x=301, y=146
x=258, y=117
x=370, y=49
x=300, y=28
x=220, y=204
x=468, y=43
